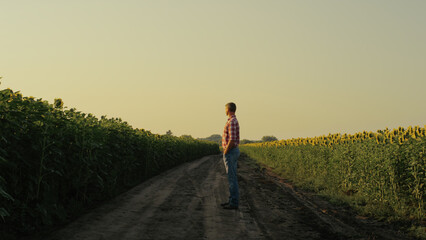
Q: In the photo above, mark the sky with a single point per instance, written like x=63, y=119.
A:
x=294, y=68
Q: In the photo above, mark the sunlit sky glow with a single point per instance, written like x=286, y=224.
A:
x=294, y=68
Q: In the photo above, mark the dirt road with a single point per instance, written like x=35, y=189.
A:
x=184, y=203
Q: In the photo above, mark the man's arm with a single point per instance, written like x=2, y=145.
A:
x=230, y=145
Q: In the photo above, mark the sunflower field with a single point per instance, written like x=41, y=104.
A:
x=56, y=163
x=381, y=173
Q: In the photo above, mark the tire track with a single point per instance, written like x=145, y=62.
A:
x=184, y=203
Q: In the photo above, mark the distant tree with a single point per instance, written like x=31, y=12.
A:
x=169, y=132
x=269, y=138
x=186, y=136
x=245, y=141
x=213, y=138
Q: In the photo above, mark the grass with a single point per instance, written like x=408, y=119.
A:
x=327, y=176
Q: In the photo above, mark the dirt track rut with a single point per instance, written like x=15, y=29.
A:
x=184, y=203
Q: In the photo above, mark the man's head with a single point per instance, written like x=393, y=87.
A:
x=230, y=108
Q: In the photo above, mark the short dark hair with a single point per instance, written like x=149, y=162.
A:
x=231, y=106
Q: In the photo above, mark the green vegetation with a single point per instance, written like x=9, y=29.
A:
x=381, y=175
x=269, y=138
x=213, y=138
x=55, y=163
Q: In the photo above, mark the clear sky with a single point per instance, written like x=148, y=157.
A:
x=294, y=68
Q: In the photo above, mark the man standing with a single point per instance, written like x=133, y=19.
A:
x=231, y=152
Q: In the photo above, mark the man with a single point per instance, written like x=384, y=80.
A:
x=231, y=152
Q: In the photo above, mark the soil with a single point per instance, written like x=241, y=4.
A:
x=184, y=203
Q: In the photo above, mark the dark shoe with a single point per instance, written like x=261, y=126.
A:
x=230, y=207
x=224, y=204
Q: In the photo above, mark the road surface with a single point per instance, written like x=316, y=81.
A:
x=184, y=203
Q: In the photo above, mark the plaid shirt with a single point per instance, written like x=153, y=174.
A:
x=231, y=131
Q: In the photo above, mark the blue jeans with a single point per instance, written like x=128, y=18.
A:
x=230, y=160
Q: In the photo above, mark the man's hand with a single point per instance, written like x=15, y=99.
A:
x=231, y=145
